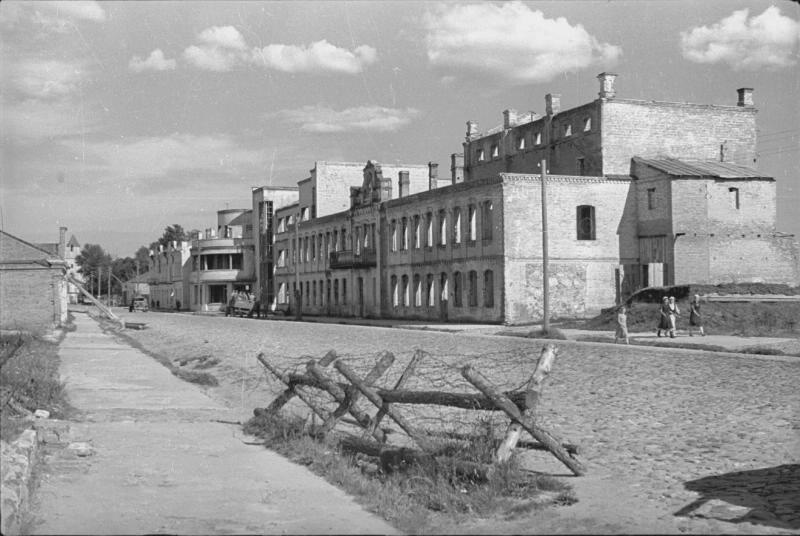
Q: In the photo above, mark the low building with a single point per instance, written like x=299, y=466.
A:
x=33, y=288
x=170, y=268
x=223, y=261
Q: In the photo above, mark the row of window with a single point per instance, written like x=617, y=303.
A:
x=425, y=290
x=316, y=293
x=523, y=140
x=319, y=246
x=424, y=231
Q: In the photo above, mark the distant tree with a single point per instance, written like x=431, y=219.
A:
x=143, y=258
x=172, y=233
x=91, y=260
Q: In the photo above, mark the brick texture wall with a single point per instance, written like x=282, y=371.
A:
x=688, y=131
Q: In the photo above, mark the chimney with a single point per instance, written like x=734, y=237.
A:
x=456, y=168
x=405, y=184
x=607, y=90
x=386, y=188
x=62, y=242
x=472, y=129
x=433, y=175
x=509, y=118
x=745, y=96
x=552, y=103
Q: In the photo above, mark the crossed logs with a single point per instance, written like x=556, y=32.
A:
x=519, y=406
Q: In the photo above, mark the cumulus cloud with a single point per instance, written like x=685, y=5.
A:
x=766, y=40
x=319, y=56
x=510, y=42
x=321, y=119
x=46, y=79
x=222, y=48
x=154, y=62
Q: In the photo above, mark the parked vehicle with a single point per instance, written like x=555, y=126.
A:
x=140, y=303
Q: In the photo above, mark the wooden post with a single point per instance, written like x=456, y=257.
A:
x=373, y=397
x=407, y=373
x=340, y=396
x=542, y=435
x=385, y=361
x=284, y=397
x=534, y=390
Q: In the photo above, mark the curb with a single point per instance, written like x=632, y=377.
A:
x=18, y=459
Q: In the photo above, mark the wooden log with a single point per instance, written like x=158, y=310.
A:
x=385, y=360
x=572, y=448
x=339, y=394
x=442, y=398
x=291, y=380
x=404, y=377
x=373, y=397
x=532, y=395
x=287, y=395
x=540, y=434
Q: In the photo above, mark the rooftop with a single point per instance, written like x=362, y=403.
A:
x=701, y=168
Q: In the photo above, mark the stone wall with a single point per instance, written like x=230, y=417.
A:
x=677, y=130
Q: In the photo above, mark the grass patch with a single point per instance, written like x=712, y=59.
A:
x=29, y=380
x=538, y=333
x=418, y=497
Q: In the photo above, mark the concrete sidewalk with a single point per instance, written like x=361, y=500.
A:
x=159, y=462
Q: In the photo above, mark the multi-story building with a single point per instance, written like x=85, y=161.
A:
x=223, y=261
x=265, y=200
x=638, y=193
x=168, y=274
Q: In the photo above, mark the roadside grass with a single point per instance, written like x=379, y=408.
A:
x=29, y=380
x=538, y=333
x=417, y=497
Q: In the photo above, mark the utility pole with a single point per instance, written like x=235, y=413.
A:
x=545, y=260
x=109, y=286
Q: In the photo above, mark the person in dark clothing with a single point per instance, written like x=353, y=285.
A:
x=695, y=319
x=663, y=317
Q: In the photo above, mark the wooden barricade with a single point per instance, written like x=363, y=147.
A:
x=519, y=406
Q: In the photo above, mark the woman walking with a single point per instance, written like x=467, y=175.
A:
x=673, y=315
x=663, y=317
x=695, y=320
x=622, y=326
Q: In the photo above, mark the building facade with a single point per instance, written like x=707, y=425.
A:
x=638, y=193
x=169, y=271
x=223, y=261
x=33, y=288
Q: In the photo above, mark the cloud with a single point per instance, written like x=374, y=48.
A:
x=154, y=62
x=319, y=56
x=79, y=9
x=766, y=40
x=510, y=42
x=223, y=36
x=320, y=119
x=222, y=48
x=32, y=120
x=47, y=79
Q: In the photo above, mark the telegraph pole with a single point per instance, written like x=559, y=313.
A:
x=545, y=268
x=109, y=285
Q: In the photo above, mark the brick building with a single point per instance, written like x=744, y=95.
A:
x=639, y=193
x=168, y=275
x=33, y=290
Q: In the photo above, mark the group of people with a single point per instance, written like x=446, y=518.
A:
x=669, y=312
x=247, y=296
x=668, y=315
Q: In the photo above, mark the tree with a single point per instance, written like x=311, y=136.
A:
x=91, y=260
x=142, y=256
x=172, y=233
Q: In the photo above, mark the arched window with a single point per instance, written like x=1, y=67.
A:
x=417, y=291
x=586, y=223
x=486, y=221
x=404, y=235
x=394, y=235
x=406, y=291
x=473, y=223
x=417, y=233
x=395, y=292
x=473, y=288
x=442, y=228
x=429, y=230
x=456, y=225
x=430, y=297
x=488, y=288
x=443, y=287
x=458, y=285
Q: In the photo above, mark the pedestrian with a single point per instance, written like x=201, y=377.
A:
x=231, y=303
x=130, y=307
x=663, y=316
x=695, y=319
x=674, y=312
x=622, y=326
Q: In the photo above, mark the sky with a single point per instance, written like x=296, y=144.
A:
x=121, y=118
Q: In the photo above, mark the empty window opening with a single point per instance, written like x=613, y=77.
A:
x=486, y=221
x=473, y=288
x=488, y=288
x=651, y=198
x=521, y=143
x=587, y=124
x=586, y=223
x=734, y=193
x=458, y=285
x=473, y=223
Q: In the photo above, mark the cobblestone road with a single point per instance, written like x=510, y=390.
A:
x=712, y=437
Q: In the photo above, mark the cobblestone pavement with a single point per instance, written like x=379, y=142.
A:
x=706, y=442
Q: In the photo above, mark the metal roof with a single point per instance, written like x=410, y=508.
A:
x=701, y=168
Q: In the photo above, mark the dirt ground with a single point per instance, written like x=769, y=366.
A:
x=666, y=433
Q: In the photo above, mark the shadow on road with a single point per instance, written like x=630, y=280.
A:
x=769, y=496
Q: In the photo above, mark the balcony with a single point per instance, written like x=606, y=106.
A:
x=348, y=259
